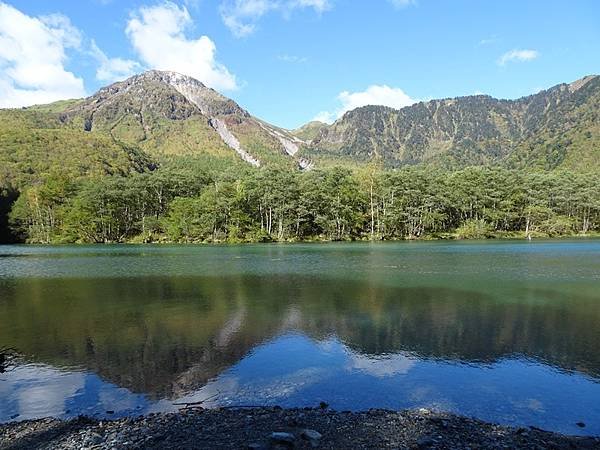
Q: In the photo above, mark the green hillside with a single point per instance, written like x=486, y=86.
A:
x=559, y=127
x=34, y=143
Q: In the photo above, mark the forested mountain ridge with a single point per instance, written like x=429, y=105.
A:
x=558, y=127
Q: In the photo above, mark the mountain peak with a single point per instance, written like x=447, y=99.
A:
x=164, y=76
x=578, y=84
x=210, y=102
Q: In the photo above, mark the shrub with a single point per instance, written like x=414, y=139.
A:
x=474, y=229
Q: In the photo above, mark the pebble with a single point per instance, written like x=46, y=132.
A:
x=256, y=446
x=312, y=436
x=269, y=428
x=425, y=442
x=280, y=436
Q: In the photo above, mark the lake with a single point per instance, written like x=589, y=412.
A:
x=504, y=331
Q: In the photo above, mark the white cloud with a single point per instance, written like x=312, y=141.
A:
x=157, y=34
x=325, y=117
x=318, y=5
x=292, y=58
x=490, y=40
x=402, y=3
x=373, y=95
x=518, y=55
x=112, y=69
x=33, y=57
x=241, y=16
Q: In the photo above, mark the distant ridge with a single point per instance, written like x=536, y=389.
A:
x=556, y=127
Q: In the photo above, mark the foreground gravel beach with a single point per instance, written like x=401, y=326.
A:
x=265, y=428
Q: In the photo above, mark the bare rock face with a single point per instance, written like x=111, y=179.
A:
x=209, y=101
x=221, y=128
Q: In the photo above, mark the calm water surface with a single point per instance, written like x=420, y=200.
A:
x=503, y=331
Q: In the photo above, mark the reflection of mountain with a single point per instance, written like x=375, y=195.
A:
x=167, y=336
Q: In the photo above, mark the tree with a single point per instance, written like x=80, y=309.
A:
x=38, y=212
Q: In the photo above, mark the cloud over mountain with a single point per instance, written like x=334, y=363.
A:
x=158, y=35
x=374, y=95
x=33, y=57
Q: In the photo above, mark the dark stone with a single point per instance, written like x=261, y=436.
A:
x=283, y=437
x=425, y=442
x=256, y=446
x=312, y=436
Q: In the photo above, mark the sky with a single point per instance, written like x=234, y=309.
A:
x=292, y=61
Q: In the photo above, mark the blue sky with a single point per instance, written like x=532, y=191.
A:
x=289, y=61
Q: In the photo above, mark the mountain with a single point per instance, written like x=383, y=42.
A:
x=558, y=127
x=133, y=125
x=173, y=114
x=309, y=131
x=130, y=125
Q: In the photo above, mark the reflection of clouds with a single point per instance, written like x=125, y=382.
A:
x=229, y=389
x=117, y=399
x=34, y=391
x=381, y=366
x=430, y=398
x=331, y=345
x=38, y=391
x=532, y=404
x=421, y=393
x=286, y=385
x=212, y=393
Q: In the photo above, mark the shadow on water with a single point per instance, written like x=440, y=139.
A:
x=7, y=199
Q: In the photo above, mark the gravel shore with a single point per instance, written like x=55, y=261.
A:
x=271, y=428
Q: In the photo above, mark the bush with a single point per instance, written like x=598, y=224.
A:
x=474, y=229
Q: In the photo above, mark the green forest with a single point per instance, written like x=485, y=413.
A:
x=190, y=201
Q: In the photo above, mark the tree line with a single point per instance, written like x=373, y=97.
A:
x=191, y=204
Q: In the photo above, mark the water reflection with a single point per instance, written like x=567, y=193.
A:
x=519, y=353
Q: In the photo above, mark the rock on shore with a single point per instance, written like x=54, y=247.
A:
x=271, y=428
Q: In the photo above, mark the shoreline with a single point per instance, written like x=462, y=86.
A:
x=266, y=428
x=504, y=238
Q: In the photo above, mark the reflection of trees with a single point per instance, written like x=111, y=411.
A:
x=166, y=336
x=468, y=326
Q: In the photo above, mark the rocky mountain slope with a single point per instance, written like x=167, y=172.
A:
x=130, y=125
x=556, y=127
x=170, y=113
